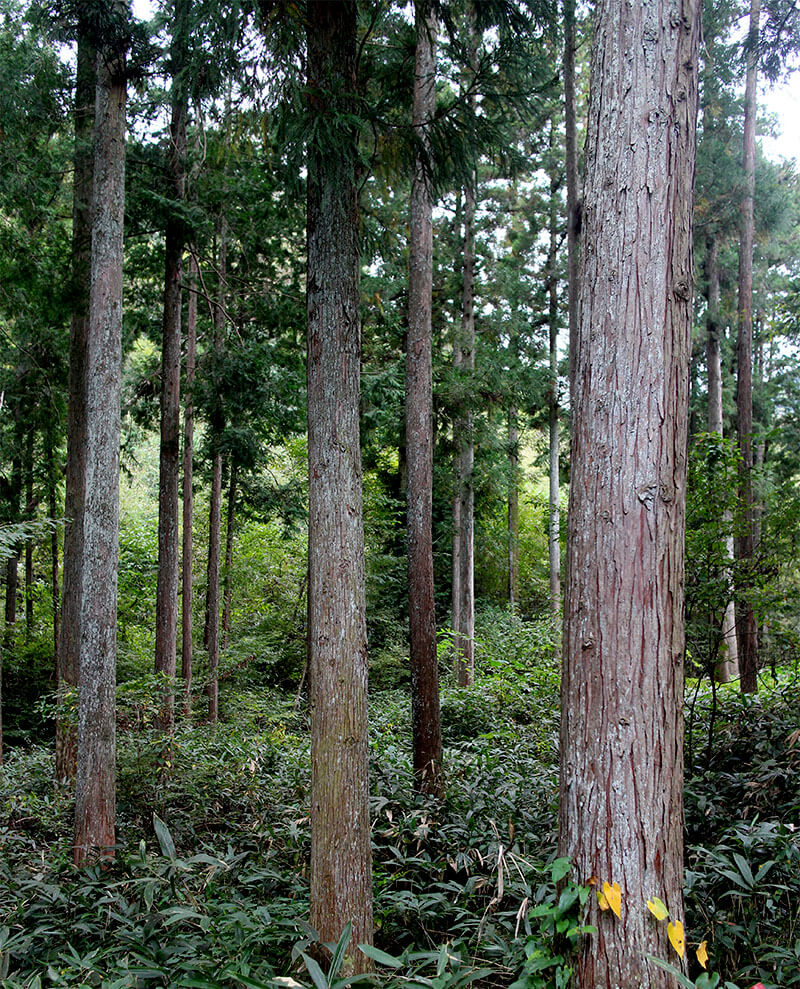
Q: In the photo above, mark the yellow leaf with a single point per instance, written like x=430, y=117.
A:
x=702, y=954
x=676, y=937
x=613, y=896
x=658, y=908
x=602, y=900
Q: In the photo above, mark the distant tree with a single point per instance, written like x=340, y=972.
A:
x=621, y=818
x=341, y=870
x=419, y=422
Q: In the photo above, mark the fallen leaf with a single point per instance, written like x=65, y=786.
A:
x=613, y=896
x=677, y=938
x=702, y=953
x=658, y=908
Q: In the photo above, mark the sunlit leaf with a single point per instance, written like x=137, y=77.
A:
x=702, y=954
x=676, y=937
x=613, y=896
x=604, y=905
x=658, y=908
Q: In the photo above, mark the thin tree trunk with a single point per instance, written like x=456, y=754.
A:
x=746, y=624
x=53, y=512
x=621, y=813
x=212, y=590
x=554, y=519
x=425, y=713
x=95, y=785
x=341, y=858
x=513, y=509
x=230, y=524
x=29, y=511
x=464, y=641
x=728, y=665
x=75, y=488
x=571, y=171
x=169, y=460
x=187, y=595
x=12, y=565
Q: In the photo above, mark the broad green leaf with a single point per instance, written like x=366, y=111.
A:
x=164, y=838
x=381, y=957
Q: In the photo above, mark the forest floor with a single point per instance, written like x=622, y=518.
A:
x=210, y=883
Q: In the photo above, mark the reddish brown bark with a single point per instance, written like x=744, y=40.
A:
x=341, y=869
x=212, y=589
x=169, y=457
x=187, y=587
x=425, y=712
x=746, y=624
x=230, y=528
x=621, y=816
x=69, y=640
x=554, y=514
x=95, y=795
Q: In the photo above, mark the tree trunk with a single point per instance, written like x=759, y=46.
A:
x=230, y=523
x=513, y=509
x=75, y=487
x=746, y=625
x=29, y=514
x=727, y=666
x=169, y=459
x=571, y=171
x=621, y=814
x=211, y=636
x=464, y=359
x=12, y=565
x=554, y=519
x=187, y=588
x=95, y=795
x=425, y=713
x=341, y=866
x=53, y=512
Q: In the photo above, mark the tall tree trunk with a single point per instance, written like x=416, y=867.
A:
x=621, y=813
x=29, y=514
x=75, y=487
x=464, y=359
x=52, y=508
x=425, y=712
x=169, y=459
x=187, y=587
x=12, y=564
x=571, y=172
x=513, y=509
x=341, y=859
x=746, y=625
x=95, y=791
x=728, y=664
x=230, y=524
x=554, y=517
x=211, y=636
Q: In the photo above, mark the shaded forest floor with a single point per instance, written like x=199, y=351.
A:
x=210, y=883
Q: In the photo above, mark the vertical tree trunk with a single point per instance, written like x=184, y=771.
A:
x=211, y=635
x=513, y=509
x=169, y=459
x=425, y=713
x=728, y=664
x=621, y=814
x=187, y=587
x=341, y=869
x=95, y=796
x=75, y=487
x=53, y=512
x=464, y=359
x=746, y=625
x=29, y=514
x=554, y=518
x=12, y=565
x=230, y=523
x=571, y=171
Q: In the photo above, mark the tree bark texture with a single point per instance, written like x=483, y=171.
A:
x=230, y=529
x=746, y=624
x=554, y=514
x=464, y=515
x=169, y=455
x=187, y=586
x=30, y=514
x=211, y=635
x=75, y=486
x=727, y=666
x=621, y=813
x=341, y=870
x=95, y=796
x=425, y=711
x=571, y=173
x=513, y=509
